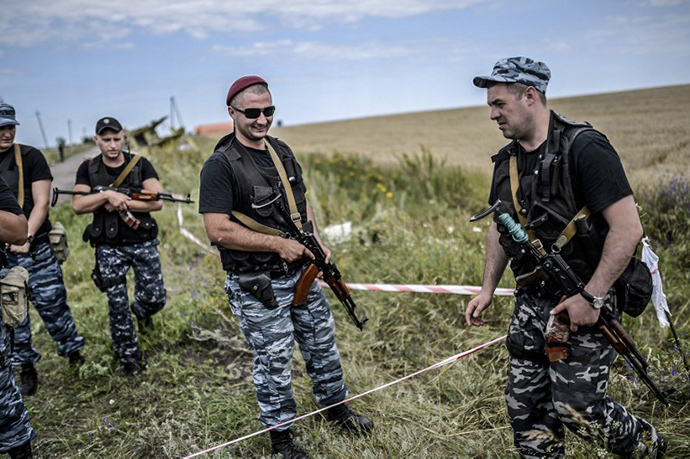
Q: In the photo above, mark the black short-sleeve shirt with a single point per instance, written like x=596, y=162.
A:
x=35, y=168
x=8, y=202
x=147, y=171
x=597, y=173
x=218, y=185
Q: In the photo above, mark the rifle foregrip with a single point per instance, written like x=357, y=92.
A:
x=304, y=284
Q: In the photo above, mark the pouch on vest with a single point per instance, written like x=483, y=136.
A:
x=634, y=288
x=57, y=238
x=259, y=285
x=14, y=296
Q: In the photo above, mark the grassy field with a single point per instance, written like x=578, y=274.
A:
x=411, y=226
x=650, y=129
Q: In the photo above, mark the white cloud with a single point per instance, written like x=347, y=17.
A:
x=96, y=22
x=313, y=50
x=664, y=3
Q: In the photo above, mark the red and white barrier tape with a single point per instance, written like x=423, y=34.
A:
x=452, y=289
x=292, y=421
x=186, y=233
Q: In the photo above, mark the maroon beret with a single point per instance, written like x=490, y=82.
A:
x=242, y=84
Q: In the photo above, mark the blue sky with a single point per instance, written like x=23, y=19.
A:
x=79, y=60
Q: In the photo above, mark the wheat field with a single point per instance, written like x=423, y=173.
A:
x=650, y=129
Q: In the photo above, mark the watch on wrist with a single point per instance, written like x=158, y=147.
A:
x=30, y=238
x=596, y=301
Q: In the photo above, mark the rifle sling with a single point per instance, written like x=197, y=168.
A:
x=256, y=226
x=20, y=170
x=123, y=175
x=294, y=212
x=567, y=233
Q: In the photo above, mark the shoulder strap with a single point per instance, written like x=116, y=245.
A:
x=133, y=162
x=570, y=230
x=20, y=170
x=294, y=212
x=250, y=223
x=514, y=183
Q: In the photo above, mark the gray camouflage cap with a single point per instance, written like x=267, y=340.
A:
x=517, y=70
x=7, y=115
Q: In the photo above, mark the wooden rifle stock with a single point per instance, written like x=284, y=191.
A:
x=304, y=284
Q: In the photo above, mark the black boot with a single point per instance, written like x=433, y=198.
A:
x=350, y=420
x=661, y=446
x=28, y=379
x=76, y=359
x=281, y=443
x=21, y=452
x=145, y=325
x=133, y=369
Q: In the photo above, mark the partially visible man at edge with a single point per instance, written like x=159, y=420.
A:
x=240, y=176
x=15, y=429
x=120, y=247
x=562, y=166
x=48, y=292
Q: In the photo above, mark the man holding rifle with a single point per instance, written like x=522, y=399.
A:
x=552, y=171
x=246, y=185
x=125, y=235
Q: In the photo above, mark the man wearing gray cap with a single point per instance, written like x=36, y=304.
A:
x=241, y=190
x=553, y=170
x=26, y=171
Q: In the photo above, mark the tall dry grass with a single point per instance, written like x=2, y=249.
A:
x=650, y=129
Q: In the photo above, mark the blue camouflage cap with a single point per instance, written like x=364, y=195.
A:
x=7, y=115
x=518, y=69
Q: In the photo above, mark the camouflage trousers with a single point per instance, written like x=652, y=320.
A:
x=15, y=429
x=544, y=397
x=149, y=291
x=49, y=297
x=271, y=334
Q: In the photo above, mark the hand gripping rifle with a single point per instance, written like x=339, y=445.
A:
x=137, y=194
x=552, y=267
x=331, y=274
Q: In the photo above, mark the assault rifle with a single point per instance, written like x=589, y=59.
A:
x=331, y=274
x=552, y=267
x=138, y=194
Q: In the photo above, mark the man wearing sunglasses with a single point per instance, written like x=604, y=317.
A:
x=242, y=198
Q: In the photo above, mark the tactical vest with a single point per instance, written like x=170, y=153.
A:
x=108, y=227
x=10, y=172
x=548, y=201
x=258, y=196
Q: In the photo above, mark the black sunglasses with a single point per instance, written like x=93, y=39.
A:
x=253, y=113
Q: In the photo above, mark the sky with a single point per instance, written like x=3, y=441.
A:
x=75, y=61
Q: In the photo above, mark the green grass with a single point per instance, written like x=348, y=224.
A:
x=412, y=226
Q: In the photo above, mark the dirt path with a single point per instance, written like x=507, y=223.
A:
x=65, y=173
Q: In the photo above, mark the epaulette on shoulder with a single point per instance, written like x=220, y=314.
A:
x=574, y=123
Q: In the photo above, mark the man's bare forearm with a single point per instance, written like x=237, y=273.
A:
x=495, y=259
x=625, y=231
x=225, y=233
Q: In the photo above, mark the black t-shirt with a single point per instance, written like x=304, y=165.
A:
x=597, y=173
x=35, y=168
x=147, y=171
x=8, y=202
x=218, y=186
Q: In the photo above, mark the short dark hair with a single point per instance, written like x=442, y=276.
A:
x=518, y=89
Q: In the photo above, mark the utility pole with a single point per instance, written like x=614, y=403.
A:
x=69, y=131
x=43, y=132
x=176, y=111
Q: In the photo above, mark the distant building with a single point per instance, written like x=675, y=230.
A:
x=214, y=129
